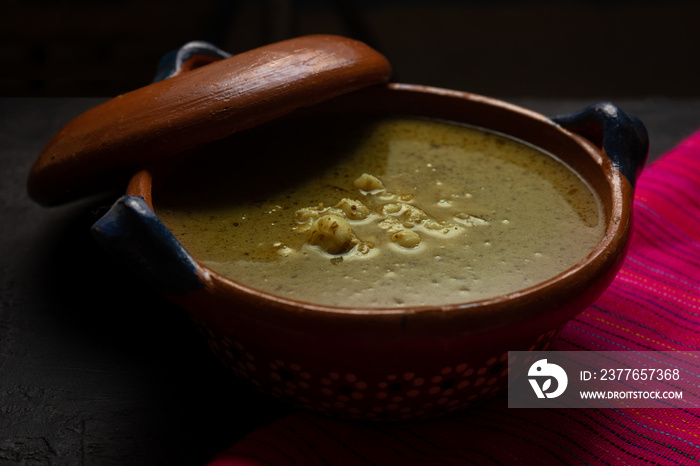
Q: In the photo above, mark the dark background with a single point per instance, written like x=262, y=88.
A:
x=502, y=48
x=96, y=368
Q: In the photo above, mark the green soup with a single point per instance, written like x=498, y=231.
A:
x=380, y=212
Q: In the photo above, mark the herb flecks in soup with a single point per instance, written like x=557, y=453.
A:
x=352, y=211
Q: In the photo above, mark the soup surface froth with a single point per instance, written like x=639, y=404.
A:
x=380, y=212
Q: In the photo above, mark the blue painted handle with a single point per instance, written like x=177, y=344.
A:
x=132, y=232
x=623, y=137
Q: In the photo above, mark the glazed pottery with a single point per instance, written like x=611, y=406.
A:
x=350, y=362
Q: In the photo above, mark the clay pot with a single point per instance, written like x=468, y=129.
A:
x=391, y=363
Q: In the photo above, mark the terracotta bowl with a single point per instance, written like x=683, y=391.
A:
x=397, y=363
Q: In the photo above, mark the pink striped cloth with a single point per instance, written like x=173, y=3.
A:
x=653, y=304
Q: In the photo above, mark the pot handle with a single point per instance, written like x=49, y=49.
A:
x=132, y=232
x=623, y=137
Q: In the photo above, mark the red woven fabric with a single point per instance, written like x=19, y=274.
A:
x=653, y=304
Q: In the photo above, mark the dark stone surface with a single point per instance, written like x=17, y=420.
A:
x=95, y=368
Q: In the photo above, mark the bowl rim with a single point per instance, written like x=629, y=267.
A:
x=604, y=260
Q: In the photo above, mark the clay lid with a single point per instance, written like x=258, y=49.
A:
x=111, y=141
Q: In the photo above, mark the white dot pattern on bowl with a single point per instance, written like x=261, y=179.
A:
x=356, y=395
